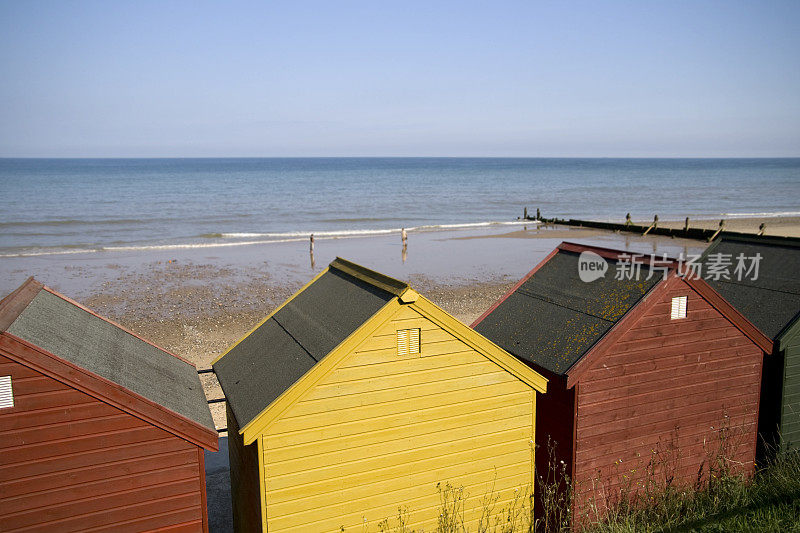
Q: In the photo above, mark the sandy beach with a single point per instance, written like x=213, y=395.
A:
x=197, y=303
x=778, y=226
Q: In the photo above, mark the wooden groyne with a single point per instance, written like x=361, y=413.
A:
x=686, y=232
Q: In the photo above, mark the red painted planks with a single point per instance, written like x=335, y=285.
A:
x=70, y=462
x=666, y=385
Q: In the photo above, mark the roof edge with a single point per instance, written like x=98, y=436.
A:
x=769, y=240
x=513, y=289
x=611, y=253
x=15, y=303
x=731, y=313
x=116, y=325
x=502, y=358
x=788, y=333
x=270, y=315
x=105, y=390
x=259, y=423
x=376, y=279
x=705, y=291
x=574, y=372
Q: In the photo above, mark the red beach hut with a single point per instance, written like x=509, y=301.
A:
x=99, y=429
x=652, y=376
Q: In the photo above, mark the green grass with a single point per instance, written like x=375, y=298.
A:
x=769, y=502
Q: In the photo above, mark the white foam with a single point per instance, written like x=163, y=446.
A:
x=189, y=246
x=367, y=232
x=765, y=214
x=50, y=252
x=271, y=238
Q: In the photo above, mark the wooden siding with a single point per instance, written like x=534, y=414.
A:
x=790, y=408
x=69, y=462
x=662, y=393
x=381, y=431
x=245, y=491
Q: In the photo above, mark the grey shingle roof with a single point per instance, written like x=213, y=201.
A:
x=772, y=301
x=87, y=341
x=308, y=327
x=553, y=318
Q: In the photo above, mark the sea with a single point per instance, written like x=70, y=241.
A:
x=102, y=206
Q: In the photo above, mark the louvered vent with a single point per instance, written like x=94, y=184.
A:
x=6, y=394
x=678, y=307
x=407, y=341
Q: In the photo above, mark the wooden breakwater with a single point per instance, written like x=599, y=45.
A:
x=686, y=232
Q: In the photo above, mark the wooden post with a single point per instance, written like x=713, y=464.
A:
x=538, y=214
x=525, y=214
x=721, y=227
x=653, y=225
x=686, y=225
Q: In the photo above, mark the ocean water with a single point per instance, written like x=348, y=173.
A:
x=65, y=206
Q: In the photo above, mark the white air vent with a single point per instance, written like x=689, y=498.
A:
x=407, y=341
x=6, y=394
x=678, y=307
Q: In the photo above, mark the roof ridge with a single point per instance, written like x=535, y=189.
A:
x=376, y=279
x=751, y=286
x=17, y=301
x=544, y=298
x=615, y=254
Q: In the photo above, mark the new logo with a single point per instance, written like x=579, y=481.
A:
x=591, y=266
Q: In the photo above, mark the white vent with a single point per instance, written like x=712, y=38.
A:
x=407, y=341
x=678, y=307
x=6, y=394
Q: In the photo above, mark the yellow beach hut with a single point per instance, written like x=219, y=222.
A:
x=358, y=396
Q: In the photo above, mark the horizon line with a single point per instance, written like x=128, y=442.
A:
x=399, y=157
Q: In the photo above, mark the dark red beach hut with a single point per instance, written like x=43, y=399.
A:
x=771, y=301
x=99, y=429
x=650, y=379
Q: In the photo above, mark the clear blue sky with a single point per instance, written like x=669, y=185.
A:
x=455, y=78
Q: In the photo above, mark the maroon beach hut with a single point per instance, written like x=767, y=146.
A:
x=99, y=429
x=649, y=378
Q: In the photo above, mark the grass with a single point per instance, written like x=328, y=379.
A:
x=726, y=502
x=720, y=501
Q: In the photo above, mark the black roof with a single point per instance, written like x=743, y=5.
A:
x=553, y=318
x=309, y=326
x=772, y=300
x=103, y=348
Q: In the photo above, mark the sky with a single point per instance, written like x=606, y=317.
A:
x=447, y=78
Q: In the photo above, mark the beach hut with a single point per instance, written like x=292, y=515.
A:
x=649, y=379
x=99, y=429
x=359, y=396
x=762, y=280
